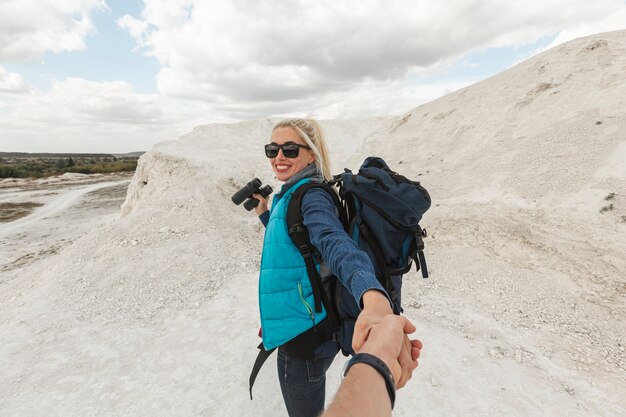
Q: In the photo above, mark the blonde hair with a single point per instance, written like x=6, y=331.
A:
x=311, y=132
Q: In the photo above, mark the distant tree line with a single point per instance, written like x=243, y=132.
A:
x=45, y=167
x=27, y=155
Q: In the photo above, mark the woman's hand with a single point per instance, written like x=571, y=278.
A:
x=262, y=206
x=375, y=307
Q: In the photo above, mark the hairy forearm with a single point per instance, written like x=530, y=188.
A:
x=363, y=393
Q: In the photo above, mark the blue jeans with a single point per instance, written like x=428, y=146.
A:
x=303, y=384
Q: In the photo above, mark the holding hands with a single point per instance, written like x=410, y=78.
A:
x=385, y=337
x=388, y=341
x=381, y=333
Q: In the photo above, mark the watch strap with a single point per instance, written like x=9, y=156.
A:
x=380, y=366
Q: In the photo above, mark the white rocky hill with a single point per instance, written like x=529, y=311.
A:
x=155, y=313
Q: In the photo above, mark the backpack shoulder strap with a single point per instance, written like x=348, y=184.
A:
x=298, y=196
x=300, y=237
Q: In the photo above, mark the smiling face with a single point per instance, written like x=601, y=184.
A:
x=284, y=167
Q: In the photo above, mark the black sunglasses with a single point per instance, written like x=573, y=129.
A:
x=290, y=149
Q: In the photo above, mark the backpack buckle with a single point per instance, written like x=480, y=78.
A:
x=419, y=242
x=304, y=251
x=296, y=228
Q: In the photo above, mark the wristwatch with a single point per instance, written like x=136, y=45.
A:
x=380, y=366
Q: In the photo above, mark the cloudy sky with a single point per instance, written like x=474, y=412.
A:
x=121, y=75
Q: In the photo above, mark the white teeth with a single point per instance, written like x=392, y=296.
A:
x=282, y=167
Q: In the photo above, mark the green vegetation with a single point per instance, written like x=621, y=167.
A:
x=45, y=165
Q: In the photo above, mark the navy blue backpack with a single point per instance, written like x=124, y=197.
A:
x=381, y=210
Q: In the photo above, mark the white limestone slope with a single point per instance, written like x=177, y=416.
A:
x=155, y=314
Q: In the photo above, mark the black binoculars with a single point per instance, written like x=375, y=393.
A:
x=245, y=193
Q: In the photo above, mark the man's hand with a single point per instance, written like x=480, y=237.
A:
x=375, y=308
x=389, y=341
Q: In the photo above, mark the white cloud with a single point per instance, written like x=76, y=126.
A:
x=247, y=56
x=87, y=101
x=135, y=27
x=12, y=82
x=28, y=28
x=80, y=115
x=610, y=22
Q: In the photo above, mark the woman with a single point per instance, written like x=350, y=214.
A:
x=298, y=154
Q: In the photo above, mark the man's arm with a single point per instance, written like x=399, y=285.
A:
x=363, y=392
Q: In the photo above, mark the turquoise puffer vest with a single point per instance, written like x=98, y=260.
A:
x=285, y=295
